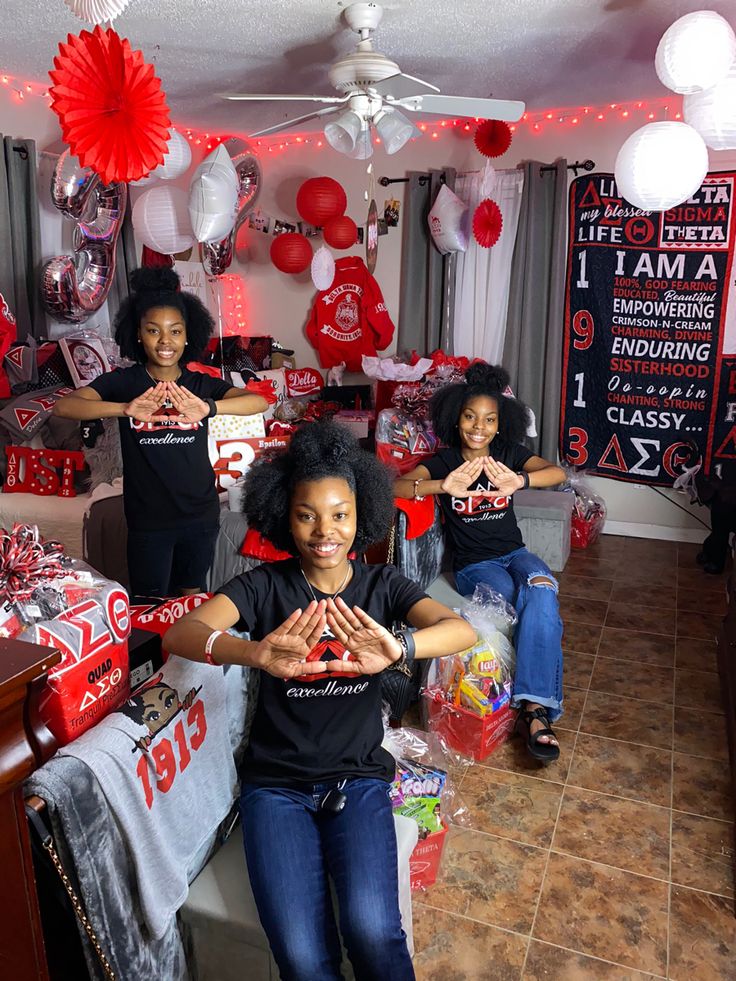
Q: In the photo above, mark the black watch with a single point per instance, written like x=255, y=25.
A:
x=213, y=408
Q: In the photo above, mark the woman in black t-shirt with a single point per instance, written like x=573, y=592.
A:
x=315, y=777
x=171, y=504
x=476, y=484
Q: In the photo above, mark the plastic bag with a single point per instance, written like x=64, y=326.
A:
x=488, y=611
x=588, y=513
x=403, y=441
x=423, y=779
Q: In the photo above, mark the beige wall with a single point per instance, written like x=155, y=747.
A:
x=279, y=304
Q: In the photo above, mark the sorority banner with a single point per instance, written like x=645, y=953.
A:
x=649, y=362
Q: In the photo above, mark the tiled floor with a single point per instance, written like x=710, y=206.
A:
x=616, y=862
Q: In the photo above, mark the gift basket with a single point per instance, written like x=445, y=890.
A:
x=588, y=512
x=467, y=696
x=422, y=790
x=49, y=599
x=404, y=434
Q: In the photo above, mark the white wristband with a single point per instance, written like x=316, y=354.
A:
x=208, y=648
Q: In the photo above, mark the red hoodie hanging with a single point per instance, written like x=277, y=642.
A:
x=487, y=223
x=111, y=106
x=350, y=318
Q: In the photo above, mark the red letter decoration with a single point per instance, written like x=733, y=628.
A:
x=42, y=472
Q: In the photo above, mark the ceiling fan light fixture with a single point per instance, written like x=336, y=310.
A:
x=394, y=128
x=364, y=144
x=343, y=133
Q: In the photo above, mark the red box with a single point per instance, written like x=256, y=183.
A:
x=470, y=734
x=424, y=864
x=585, y=531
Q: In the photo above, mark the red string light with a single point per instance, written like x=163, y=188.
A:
x=533, y=119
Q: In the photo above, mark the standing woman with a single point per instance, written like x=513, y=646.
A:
x=315, y=778
x=169, y=495
x=476, y=477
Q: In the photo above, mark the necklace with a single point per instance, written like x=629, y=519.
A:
x=157, y=380
x=339, y=588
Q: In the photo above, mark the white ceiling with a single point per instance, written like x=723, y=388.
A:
x=549, y=53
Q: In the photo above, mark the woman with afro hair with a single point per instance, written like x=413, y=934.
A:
x=476, y=477
x=315, y=778
x=162, y=407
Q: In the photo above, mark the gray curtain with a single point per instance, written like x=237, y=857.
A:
x=427, y=278
x=533, y=346
x=20, y=236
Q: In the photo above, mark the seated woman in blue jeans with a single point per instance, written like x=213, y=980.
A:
x=314, y=798
x=476, y=477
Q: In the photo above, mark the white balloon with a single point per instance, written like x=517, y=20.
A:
x=161, y=219
x=446, y=226
x=695, y=52
x=177, y=159
x=213, y=197
x=713, y=113
x=323, y=268
x=661, y=165
x=97, y=11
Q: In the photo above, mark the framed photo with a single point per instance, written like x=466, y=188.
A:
x=85, y=358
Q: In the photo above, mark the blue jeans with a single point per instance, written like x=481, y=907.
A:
x=538, y=634
x=292, y=847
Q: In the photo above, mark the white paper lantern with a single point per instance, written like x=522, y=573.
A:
x=661, y=165
x=161, y=219
x=176, y=161
x=323, y=268
x=213, y=197
x=713, y=113
x=695, y=52
x=97, y=11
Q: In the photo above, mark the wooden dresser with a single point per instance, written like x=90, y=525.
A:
x=25, y=744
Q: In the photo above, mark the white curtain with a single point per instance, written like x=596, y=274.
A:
x=483, y=275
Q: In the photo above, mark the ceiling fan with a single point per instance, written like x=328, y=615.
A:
x=374, y=91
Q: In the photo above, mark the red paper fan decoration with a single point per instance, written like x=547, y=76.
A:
x=291, y=252
x=319, y=199
x=487, y=223
x=493, y=137
x=110, y=104
x=340, y=233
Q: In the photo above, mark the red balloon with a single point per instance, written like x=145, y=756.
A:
x=319, y=199
x=291, y=252
x=340, y=233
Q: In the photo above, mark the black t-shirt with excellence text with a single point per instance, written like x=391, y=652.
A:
x=479, y=528
x=319, y=727
x=168, y=477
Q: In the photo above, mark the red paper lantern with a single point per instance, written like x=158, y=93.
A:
x=487, y=223
x=493, y=137
x=111, y=106
x=291, y=253
x=340, y=233
x=319, y=199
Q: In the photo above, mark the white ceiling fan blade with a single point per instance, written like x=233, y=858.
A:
x=460, y=105
x=401, y=86
x=273, y=97
x=294, y=121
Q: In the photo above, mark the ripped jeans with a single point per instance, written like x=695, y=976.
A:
x=538, y=634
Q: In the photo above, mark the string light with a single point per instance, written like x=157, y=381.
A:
x=609, y=114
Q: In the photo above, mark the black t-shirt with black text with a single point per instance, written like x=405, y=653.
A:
x=479, y=528
x=168, y=478
x=319, y=727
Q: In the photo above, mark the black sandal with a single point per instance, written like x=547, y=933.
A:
x=544, y=752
